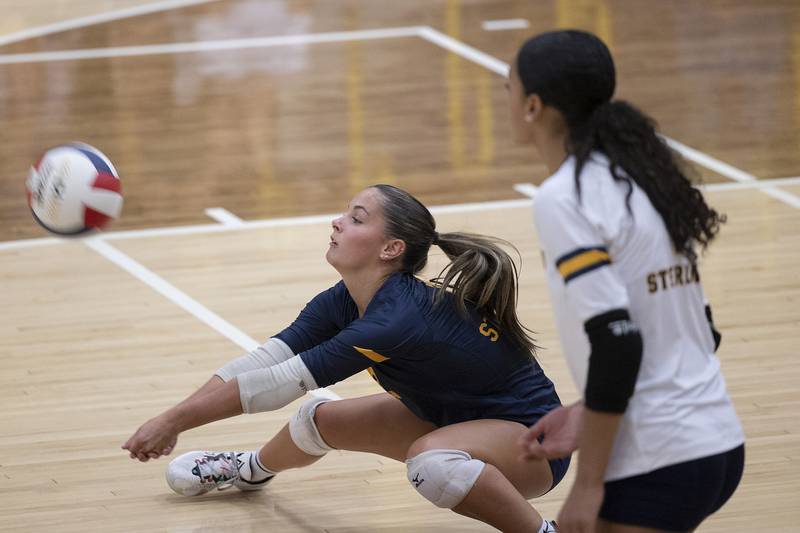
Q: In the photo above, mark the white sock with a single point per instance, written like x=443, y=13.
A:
x=547, y=527
x=251, y=469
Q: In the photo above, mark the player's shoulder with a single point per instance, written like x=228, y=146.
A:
x=559, y=184
x=393, y=320
x=400, y=295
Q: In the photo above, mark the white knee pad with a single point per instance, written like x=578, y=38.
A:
x=304, y=431
x=444, y=476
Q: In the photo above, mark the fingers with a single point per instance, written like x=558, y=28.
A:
x=533, y=433
x=533, y=451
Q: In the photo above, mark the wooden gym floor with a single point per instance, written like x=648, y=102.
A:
x=272, y=114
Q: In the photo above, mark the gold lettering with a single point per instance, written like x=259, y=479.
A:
x=663, y=275
x=486, y=331
x=652, y=286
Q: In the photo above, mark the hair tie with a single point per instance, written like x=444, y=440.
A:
x=435, y=239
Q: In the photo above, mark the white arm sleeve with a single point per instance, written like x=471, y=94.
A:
x=267, y=389
x=273, y=352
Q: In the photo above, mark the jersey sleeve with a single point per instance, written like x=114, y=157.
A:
x=320, y=320
x=577, y=247
x=374, y=339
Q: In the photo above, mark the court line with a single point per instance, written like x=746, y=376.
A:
x=499, y=67
x=523, y=188
x=758, y=184
x=527, y=189
x=729, y=171
x=223, y=216
x=505, y=24
x=464, y=50
x=207, y=46
x=90, y=20
x=181, y=299
x=425, y=32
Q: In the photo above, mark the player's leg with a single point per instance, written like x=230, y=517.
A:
x=378, y=424
x=475, y=469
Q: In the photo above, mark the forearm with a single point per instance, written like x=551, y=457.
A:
x=595, y=440
x=216, y=400
x=211, y=385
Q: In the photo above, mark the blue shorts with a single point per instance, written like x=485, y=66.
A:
x=559, y=468
x=677, y=497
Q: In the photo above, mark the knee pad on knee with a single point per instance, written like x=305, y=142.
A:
x=444, y=477
x=304, y=430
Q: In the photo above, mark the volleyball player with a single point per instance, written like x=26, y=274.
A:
x=619, y=224
x=461, y=382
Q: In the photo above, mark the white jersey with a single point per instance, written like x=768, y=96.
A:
x=600, y=256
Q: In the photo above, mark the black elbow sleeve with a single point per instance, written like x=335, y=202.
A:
x=614, y=361
x=716, y=334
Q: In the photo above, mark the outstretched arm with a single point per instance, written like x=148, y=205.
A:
x=214, y=401
x=262, y=389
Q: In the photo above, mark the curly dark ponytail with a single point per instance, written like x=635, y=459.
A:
x=573, y=71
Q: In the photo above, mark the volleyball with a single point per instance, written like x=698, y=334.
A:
x=73, y=189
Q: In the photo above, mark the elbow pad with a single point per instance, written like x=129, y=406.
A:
x=267, y=389
x=273, y=352
x=614, y=361
x=716, y=334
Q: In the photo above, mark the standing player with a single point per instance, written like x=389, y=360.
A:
x=457, y=365
x=661, y=447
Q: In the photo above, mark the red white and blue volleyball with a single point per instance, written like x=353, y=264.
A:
x=73, y=189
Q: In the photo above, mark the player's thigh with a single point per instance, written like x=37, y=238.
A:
x=494, y=442
x=378, y=424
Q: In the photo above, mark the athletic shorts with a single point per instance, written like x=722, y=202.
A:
x=677, y=497
x=559, y=468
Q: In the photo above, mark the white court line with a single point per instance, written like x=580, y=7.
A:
x=506, y=24
x=206, y=46
x=527, y=189
x=429, y=34
x=729, y=171
x=457, y=47
x=524, y=188
x=501, y=68
x=30, y=243
x=223, y=216
x=181, y=299
x=101, y=18
x=760, y=184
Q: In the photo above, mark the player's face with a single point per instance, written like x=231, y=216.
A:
x=358, y=234
x=517, y=102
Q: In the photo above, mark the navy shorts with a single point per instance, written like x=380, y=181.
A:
x=559, y=468
x=676, y=497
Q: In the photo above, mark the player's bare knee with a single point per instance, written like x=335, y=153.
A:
x=429, y=441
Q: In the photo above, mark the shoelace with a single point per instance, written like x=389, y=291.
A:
x=221, y=469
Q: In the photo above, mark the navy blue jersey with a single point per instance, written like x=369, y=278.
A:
x=445, y=367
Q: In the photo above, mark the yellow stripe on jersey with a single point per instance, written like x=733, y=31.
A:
x=375, y=356
x=581, y=261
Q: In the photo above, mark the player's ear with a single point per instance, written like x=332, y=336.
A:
x=393, y=249
x=533, y=107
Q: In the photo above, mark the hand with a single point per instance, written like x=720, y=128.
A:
x=579, y=512
x=559, y=432
x=155, y=438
